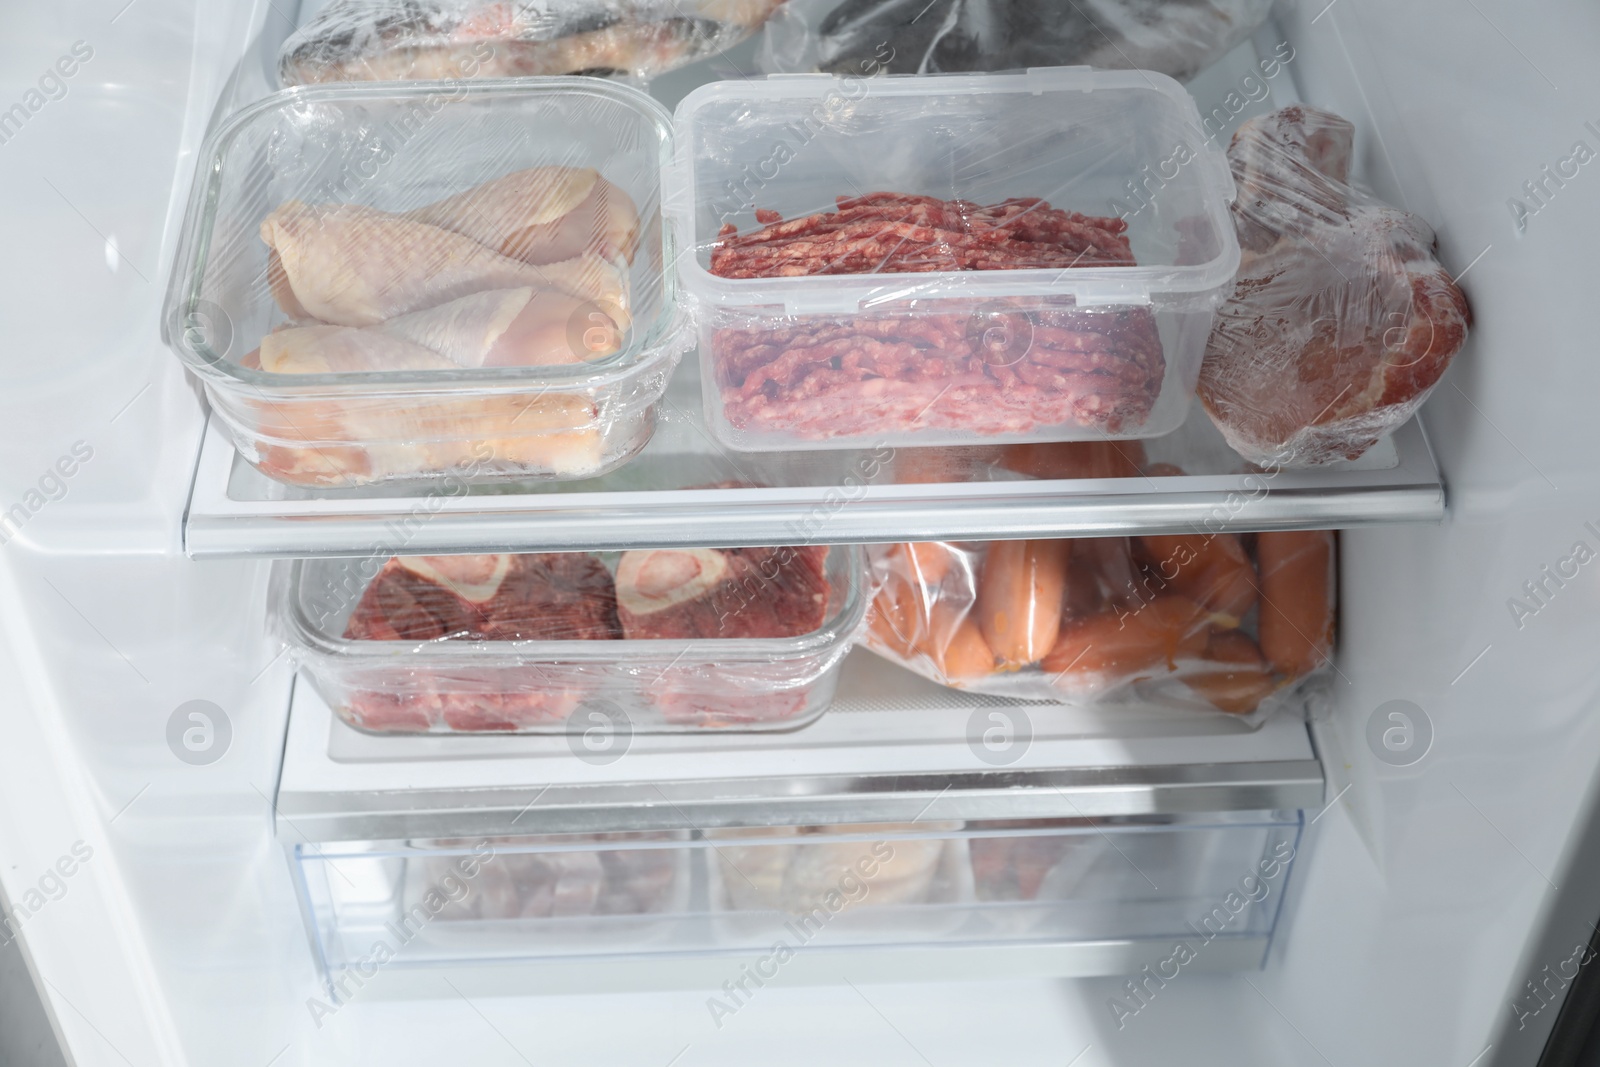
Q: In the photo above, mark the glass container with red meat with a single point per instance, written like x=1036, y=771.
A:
x=653, y=640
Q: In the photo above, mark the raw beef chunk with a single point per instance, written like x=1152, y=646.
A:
x=557, y=596
x=719, y=593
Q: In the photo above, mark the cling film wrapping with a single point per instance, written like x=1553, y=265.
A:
x=655, y=640
x=423, y=40
x=950, y=36
x=1241, y=624
x=947, y=260
x=1342, y=319
x=395, y=284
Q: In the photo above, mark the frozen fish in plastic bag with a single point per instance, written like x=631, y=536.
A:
x=1342, y=319
x=417, y=40
x=1176, y=37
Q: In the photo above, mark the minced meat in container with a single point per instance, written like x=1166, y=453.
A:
x=381, y=283
x=943, y=260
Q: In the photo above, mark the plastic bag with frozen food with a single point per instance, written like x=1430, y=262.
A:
x=1342, y=319
x=797, y=868
x=408, y=40
x=550, y=877
x=1176, y=37
x=1216, y=621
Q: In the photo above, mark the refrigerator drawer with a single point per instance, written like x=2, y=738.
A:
x=704, y=908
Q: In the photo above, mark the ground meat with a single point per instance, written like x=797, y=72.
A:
x=1006, y=369
x=820, y=377
x=899, y=233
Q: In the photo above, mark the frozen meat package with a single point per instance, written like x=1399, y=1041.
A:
x=1179, y=38
x=948, y=260
x=558, y=876
x=1343, y=319
x=431, y=285
x=1221, y=622
x=424, y=40
x=847, y=869
x=652, y=640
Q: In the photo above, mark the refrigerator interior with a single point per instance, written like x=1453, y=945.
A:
x=1423, y=898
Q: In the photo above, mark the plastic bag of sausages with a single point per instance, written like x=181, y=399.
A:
x=1240, y=624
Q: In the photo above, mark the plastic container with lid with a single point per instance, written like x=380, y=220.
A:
x=658, y=685
x=1063, y=351
x=407, y=324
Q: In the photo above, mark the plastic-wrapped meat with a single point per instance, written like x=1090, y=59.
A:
x=496, y=701
x=1175, y=37
x=794, y=877
x=1342, y=319
x=722, y=593
x=638, y=881
x=538, y=886
x=893, y=233
x=542, y=215
x=820, y=376
x=564, y=884
x=554, y=596
x=710, y=696
x=499, y=328
x=1018, y=867
x=349, y=265
x=426, y=598
x=405, y=40
x=1005, y=368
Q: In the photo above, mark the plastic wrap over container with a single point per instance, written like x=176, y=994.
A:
x=1179, y=38
x=424, y=40
x=1343, y=319
x=657, y=640
x=431, y=284
x=948, y=260
x=1241, y=624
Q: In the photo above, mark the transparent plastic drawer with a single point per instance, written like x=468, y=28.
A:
x=1107, y=896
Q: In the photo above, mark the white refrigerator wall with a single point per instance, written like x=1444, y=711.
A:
x=175, y=940
x=1421, y=909
x=1421, y=905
